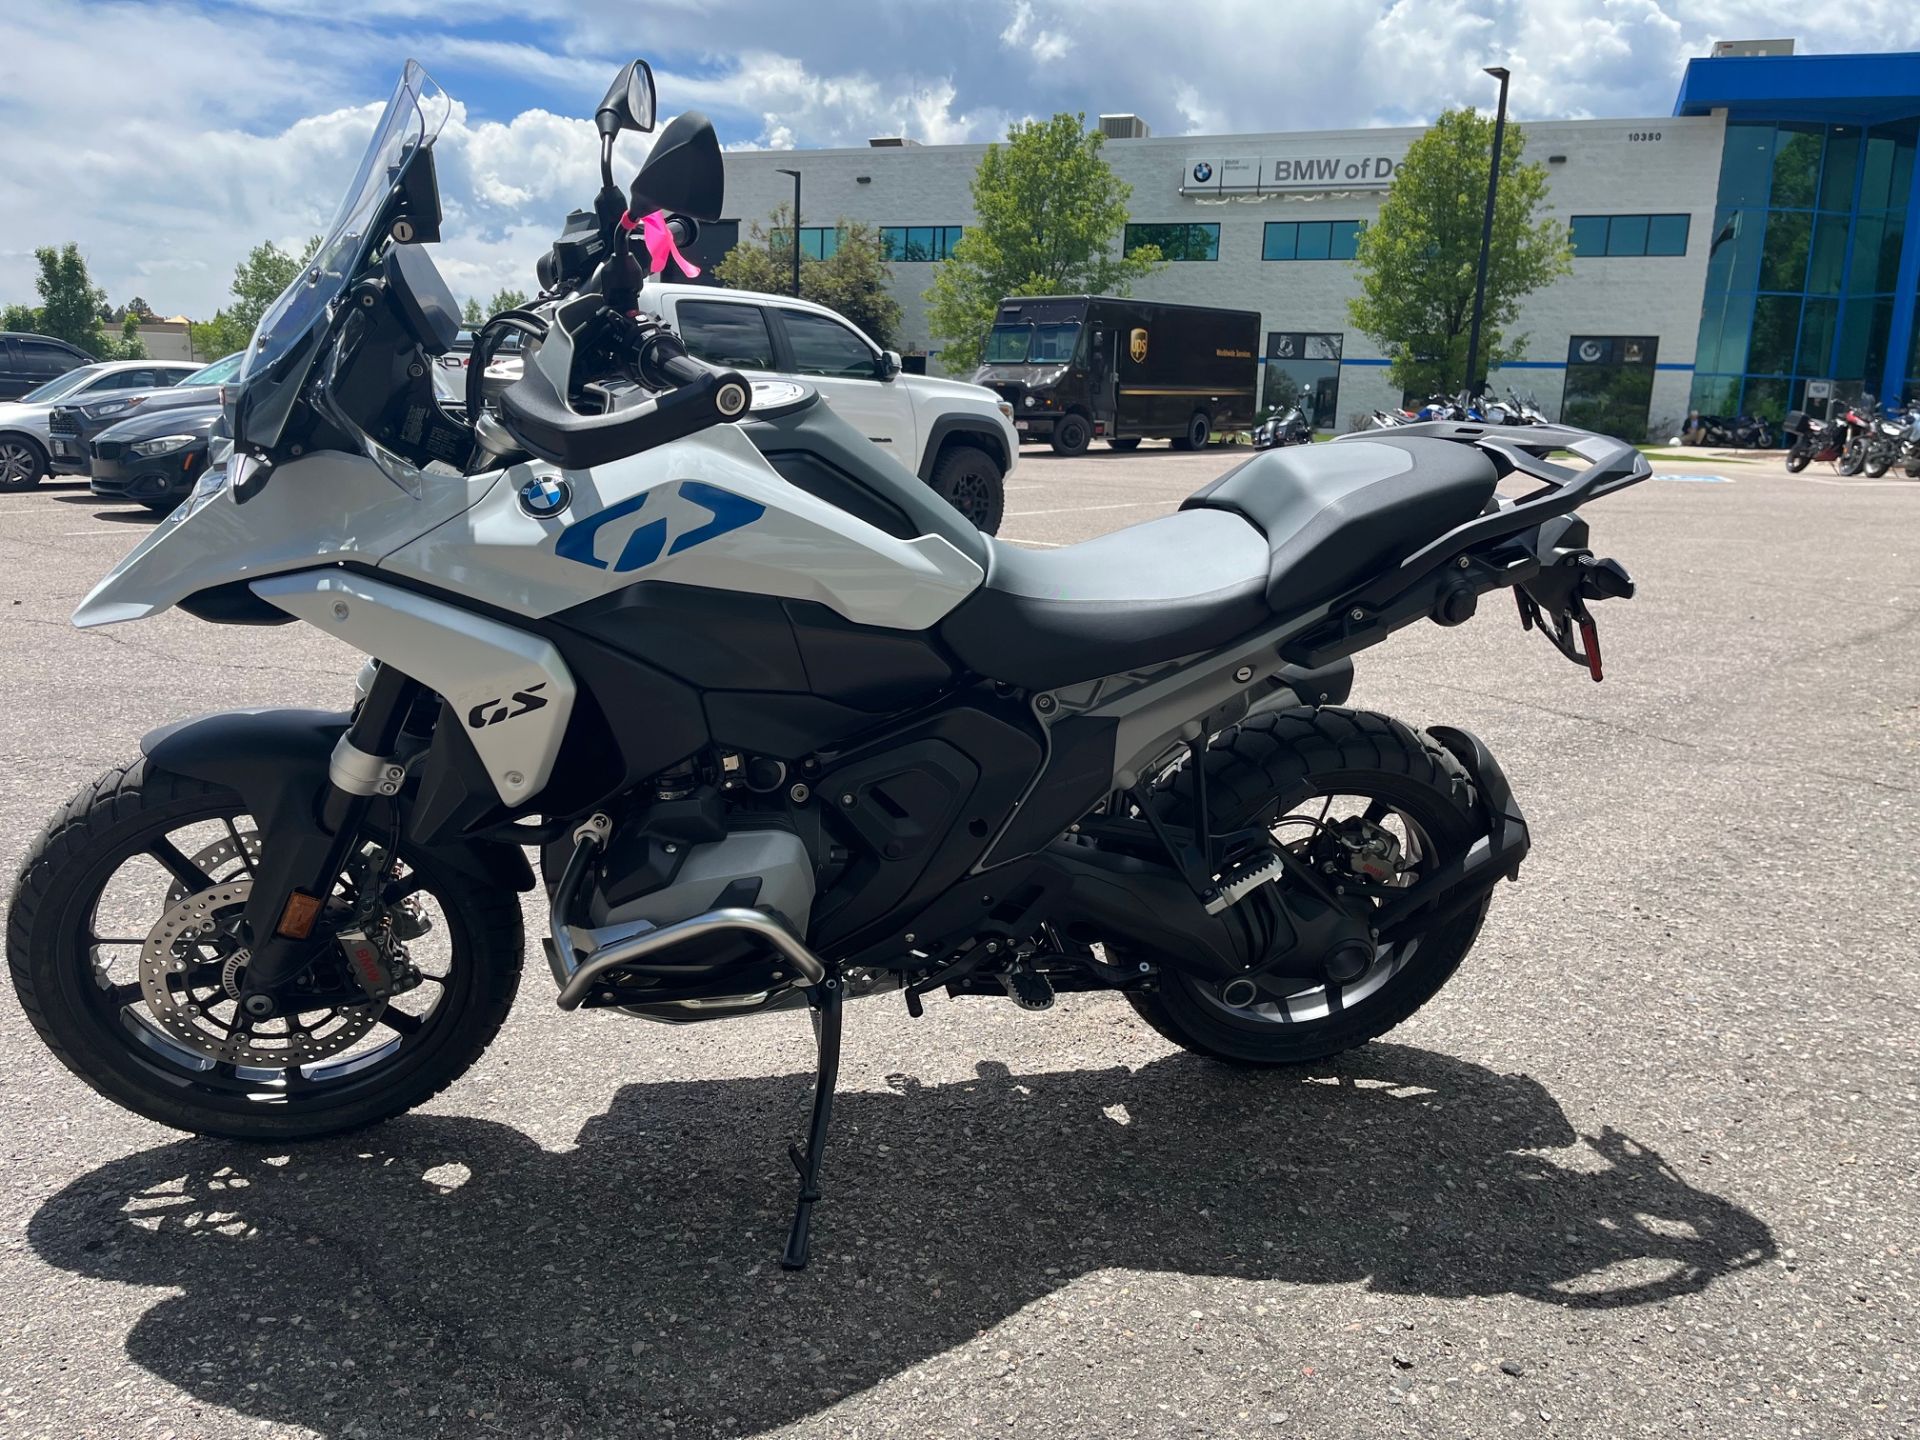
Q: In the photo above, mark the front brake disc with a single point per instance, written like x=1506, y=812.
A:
x=180, y=998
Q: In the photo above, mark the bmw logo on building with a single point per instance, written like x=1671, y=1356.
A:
x=545, y=496
x=1203, y=172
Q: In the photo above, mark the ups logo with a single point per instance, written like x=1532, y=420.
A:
x=1137, y=346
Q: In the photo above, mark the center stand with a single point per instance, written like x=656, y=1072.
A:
x=828, y=998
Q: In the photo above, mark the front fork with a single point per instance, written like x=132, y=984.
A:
x=297, y=873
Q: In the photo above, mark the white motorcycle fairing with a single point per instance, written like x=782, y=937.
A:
x=705, y=511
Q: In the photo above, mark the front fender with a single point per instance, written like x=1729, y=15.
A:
x=276, y=761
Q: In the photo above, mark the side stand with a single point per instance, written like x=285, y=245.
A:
x=826, y=1034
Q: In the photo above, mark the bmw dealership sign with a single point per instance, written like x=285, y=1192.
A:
x=1303, y=172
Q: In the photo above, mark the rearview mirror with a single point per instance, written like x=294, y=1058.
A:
x=684, y=172
x=629, y=101
x=889, y=366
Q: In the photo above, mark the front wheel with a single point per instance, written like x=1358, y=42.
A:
x=123, y=947
x=1852, y=459
x=1071, y=435
x=972, y=482
x=1338, y=787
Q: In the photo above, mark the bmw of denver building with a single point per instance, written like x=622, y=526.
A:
x=1757, y=250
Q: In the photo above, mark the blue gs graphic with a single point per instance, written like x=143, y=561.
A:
x=545, y=496
x=646, y=544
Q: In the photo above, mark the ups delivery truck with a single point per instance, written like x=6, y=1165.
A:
x=1078, y=366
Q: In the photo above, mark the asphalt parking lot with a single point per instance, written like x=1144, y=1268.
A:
x=1650, y=1165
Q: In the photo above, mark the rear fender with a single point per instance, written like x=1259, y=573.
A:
x=276, y=761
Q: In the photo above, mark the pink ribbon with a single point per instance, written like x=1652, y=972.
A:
x=659, y=242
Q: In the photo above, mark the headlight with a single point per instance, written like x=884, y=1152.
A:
x=165, y=445
x=1028, y=402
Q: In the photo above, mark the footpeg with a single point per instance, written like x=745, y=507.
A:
x=1028, y=989
x=1244, y=883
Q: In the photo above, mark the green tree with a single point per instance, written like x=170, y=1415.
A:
x=1049, y=212
x=852, y=281
x=1417, y=262
x=70, y=303
x=257, y=283
x=20, y=318
x=129, y=346
x=473, y=314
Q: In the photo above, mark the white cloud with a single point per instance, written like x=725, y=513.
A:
x=239, y=123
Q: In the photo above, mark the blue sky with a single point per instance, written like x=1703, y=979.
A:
x=235, y=120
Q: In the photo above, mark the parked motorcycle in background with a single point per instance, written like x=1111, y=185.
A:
x=1856, y=425
x=1287, y=427
x=1741, y=432
x=1891, y=441
x=1812, y=439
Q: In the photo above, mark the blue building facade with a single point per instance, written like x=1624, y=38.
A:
x=1815, y=254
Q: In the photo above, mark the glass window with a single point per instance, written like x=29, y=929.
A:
x=1303, y=369
x=219, y=372
x=1893, y=229
x=1829, y=260
x=823, y=346
x=1715, y=394
x=723, y=333
x=1589, y=234
x=1843, y=162
x=1864, y=326
x=1727, y=322
x=1667, y=234
x=1176, y=242
x=817, y=242
x=1610, y=383
x=1733, y=257
x=1876, y=182
x=1817, y=322
x=1766, y=398
x=1746, y=164
x=125, y=380
x=1796, y=166
x=1346, y=238
x=1627, y=235
x=1280, y=241
x=62, y=385
x=39, y=357
x=1776, y=322
x=1783, y=258
x=1316, y=239
x=916, y=243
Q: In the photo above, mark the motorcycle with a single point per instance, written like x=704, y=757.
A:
x=1893, y=440
x=1286, y=427
x=783, y=728
x=1812, y=439
x=1857, y=425
x=1742, y=432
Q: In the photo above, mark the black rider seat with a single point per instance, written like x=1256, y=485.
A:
x=1288, y=530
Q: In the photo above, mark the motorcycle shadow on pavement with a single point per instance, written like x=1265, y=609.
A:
x=446, y=1274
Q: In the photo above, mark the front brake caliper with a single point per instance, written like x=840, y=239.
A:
x=368, y=965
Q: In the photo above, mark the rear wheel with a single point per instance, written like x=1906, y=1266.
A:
x=1877, y=464
x=1330, y=784
x=1199, y=430
x=1797, y=459
x=123, y=947
x=1071, y=434
x=972, y=482
x=22, y=462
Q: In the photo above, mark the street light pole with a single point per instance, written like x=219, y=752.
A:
x=1500, y=73
x=796, y=229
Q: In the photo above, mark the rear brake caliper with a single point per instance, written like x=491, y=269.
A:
x=1368, y=851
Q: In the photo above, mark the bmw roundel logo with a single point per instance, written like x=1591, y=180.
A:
x=1203, y=172
x=544, y=496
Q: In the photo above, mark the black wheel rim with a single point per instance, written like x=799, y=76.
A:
x=973, y=496
x=104, y=932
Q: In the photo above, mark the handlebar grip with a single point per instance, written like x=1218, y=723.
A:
x=663, y=358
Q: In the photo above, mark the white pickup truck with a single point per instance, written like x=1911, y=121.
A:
x=959, y=438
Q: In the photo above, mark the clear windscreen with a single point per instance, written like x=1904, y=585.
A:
x=408, y=126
